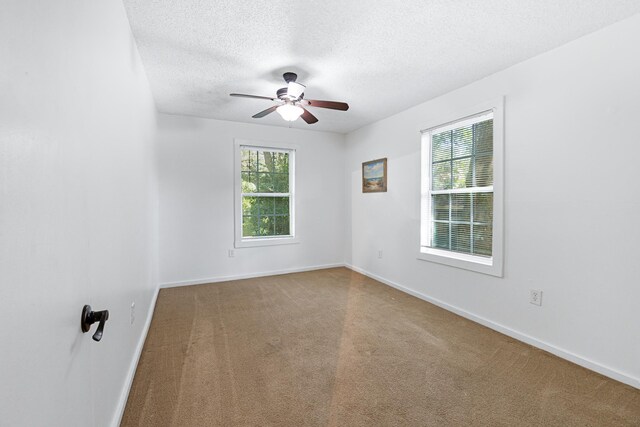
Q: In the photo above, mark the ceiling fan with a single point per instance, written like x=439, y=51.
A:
x=290, y=103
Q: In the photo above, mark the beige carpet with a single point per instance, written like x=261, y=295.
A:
x=335, y=348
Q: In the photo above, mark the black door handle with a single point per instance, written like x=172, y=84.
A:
x=90, y=317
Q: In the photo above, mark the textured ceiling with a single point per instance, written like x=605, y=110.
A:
x=379, y=56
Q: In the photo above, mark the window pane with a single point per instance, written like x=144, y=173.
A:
x=441, y=176
x=483, y=133
x=462, y=174
x=483, y=208
x=273, y=162
x=440, y=238
x=281, y=205
x=484, y=170
x=249, y=182
x=461, y=207
x=462, y=142
x=249, y=226
x=282, y=225
x=440, y=206
x=461, y=237
x=262, y=162
x=249, y=160
x=249, y=206
x=266, y=205
x=265, y=183
x=245, y=156
x=482, y=239
x=441, y=146
x=281, y=163
x=281, y=183
x=267, y=225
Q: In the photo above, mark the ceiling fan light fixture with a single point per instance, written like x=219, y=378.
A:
x=294, y=90
x=290, y=112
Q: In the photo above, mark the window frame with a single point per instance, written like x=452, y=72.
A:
x=488, y=265
x=245, y=242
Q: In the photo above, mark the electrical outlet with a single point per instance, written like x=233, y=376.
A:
x=535, y=297
x=133, y=312
x=379, y=253
x=232, y=253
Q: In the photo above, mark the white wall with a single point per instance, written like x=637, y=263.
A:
x=196, y=172
x=77, y=209
x=572, y=203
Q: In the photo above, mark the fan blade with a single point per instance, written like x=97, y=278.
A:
x=308, y=117
x=242, y=95
x=342, y=106
x=265, y=112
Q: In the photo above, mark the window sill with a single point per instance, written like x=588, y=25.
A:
x=267, y=241
x=467, y=262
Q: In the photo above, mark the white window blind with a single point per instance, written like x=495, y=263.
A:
x=460, y=189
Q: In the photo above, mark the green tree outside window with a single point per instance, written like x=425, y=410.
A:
x=266, y=195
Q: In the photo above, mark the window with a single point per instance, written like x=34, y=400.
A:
x=461, y=218
x=264, y=194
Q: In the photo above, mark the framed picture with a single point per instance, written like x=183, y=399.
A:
x=374, y=176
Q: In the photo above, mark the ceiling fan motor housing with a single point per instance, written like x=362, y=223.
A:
x=290, y=77
x=283, y=94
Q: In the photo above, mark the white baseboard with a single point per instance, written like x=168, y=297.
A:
x=564, y=354
x=247, y=276
x=117, y=419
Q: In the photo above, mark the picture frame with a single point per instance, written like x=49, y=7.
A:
x=374, y=176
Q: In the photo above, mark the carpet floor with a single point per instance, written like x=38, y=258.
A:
x=335, y=348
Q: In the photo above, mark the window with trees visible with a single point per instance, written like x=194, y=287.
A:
x=266, y=193
x=458, y=221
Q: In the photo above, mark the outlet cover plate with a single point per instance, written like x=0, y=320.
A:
x=535, y=297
